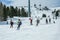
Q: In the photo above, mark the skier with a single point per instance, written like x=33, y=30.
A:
x=49, y=20
x=46, y=21
x=30, y=21
x=7, y=22
x=37, y=22
x=19, y=24
x=11, y=24
x=53, y=21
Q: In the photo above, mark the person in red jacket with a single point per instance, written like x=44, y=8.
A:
x=30, y=21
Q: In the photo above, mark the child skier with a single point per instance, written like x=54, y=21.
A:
x=19, y=24
x=11, y=24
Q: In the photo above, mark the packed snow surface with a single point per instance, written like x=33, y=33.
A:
x=43, y=31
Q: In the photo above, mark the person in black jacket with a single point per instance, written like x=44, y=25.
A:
x=46, y=21
x=11, y=24
x=49, y=20
x=37, y=22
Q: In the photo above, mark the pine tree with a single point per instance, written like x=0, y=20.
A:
x=4, y=13
x=15, y=11
x=23, y=13
x=7, y=11
x=57, y=14
x=18, y=13
x=1, y=11
x=12, y=13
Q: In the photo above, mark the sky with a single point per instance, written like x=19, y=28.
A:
x=49, y=3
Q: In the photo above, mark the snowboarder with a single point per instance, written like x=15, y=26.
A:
x=30, y=21
x=37, y=22
x=19, y=24
x=46, y=21
x=11, y=24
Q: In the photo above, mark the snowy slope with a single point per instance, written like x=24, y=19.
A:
x=39, y=13
x=28, y=32
x=31, y=32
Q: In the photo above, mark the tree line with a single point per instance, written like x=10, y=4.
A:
x=12, y=11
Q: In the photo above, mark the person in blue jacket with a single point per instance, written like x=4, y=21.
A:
x=19, y=24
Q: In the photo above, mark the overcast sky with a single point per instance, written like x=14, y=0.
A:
x=49, y=3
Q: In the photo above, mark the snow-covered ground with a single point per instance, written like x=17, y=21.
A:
x=31, y=32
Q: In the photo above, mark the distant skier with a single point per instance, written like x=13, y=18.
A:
x=19, y=24
x=49, y=20
x=53, y=21
x=37, y=22
x=30, y=21
x=7, y=22
x=11, y=24
x=46, y=21
x=53, y=17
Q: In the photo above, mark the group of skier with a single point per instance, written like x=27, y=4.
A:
x=48, y=21
x=19, y=23
x=37, y=21
x=31, y=21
